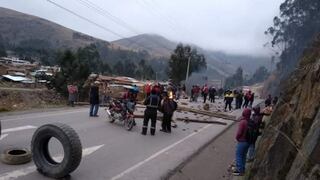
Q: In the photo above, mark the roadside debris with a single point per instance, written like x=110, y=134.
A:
x=187, y=120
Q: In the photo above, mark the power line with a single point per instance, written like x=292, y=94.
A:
x=115, y=19
x=96, y=24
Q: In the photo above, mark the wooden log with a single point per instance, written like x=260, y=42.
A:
x=201, y=121
x=208, y=113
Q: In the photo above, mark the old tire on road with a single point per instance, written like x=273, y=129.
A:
x=71, y=144
x=15, y=156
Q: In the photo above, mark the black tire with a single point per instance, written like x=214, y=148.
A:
x=129, y=123
x=15, y=156
x=71, y=145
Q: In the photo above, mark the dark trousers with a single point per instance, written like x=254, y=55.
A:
x=166, y=122
x=205, y=98
x=149, y=114
x=228, y=103
x=211, y=98
x=246, y=103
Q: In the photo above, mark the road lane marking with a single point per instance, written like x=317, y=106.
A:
x=31, y=169
x=157, y=154
x=18, y=128
x=3, y=136
x=42, y=116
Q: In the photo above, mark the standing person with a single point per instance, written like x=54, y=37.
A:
x=205, y=92
x=193, y=91
x=147, y=89
x=94, y=99
x=247, y=98
x=239, y=98
x=73, y=91
x=251, y=100
x=267, y=102
x=228, y=98
x=254, y=128
x=152, y=102
x=212, y=93
x=168, y=106
x=242, y=145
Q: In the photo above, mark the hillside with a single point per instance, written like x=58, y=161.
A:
x=154, y=44
x=19, y=29
x=290, y=145
x=223, y=63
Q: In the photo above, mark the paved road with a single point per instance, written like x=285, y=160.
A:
x=111, y=151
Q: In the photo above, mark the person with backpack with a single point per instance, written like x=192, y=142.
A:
x=253, y=132
x=152, y=102
x=242, y=145
x=168, y=106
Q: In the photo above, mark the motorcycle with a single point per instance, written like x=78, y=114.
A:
x=122, y=112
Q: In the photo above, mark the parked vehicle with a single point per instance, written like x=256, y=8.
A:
x=123, y=112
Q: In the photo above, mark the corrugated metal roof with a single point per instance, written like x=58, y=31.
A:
x=16, y=78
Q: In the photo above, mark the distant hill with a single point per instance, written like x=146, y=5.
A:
x=25, y=33
x=19, y=29
x=154, y=44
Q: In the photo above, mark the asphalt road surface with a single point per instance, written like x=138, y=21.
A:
x=109, y=151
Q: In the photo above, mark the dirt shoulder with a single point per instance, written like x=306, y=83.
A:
x=212, y=162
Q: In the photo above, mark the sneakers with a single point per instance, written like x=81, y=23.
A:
x=237, y=173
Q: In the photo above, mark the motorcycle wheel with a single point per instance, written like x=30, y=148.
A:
x=110, y=117
x=129, y=123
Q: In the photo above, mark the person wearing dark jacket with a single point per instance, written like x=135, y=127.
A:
x=152, y=104
x=257, y=119
x=168, y=106
x=242, y=145
x=94, y=99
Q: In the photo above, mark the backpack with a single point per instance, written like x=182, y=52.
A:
x=252, y=132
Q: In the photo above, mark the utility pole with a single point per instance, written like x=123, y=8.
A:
x=187, y=74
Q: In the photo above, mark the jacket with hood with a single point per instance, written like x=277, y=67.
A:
x=243, y=125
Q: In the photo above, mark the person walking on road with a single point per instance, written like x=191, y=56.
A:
x=94, y=99
x=152, y=102
x=205, y=92
x=168, y=106
x=73, y=91
x=242, y=145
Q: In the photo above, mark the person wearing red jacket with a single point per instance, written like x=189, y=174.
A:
x=242, y=145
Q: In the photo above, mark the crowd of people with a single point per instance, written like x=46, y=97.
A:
x=162, y=98
x=250, y=127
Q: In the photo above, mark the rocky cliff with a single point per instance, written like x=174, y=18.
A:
x=290, y=146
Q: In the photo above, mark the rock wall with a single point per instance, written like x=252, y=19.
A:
x=290, y=146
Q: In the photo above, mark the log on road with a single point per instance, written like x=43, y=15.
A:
x=208, y=113
x=201, y=121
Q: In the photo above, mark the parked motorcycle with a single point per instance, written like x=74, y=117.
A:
x=122, y=112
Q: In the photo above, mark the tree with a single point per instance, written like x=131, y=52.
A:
x=3, y=52
x=235, y=80
x=293, y=31
x=118, y=68
x=259, y=75
x=178, y=62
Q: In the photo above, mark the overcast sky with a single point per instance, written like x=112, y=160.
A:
x=233, y=26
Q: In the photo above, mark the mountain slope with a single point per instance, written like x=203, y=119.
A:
x=154, y=44
x=19, y=29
